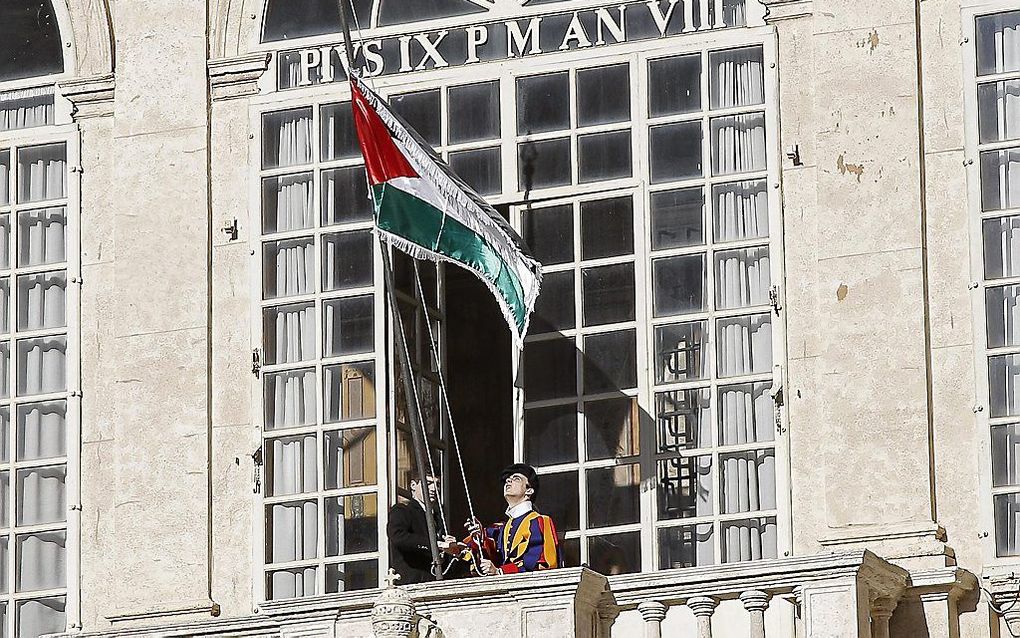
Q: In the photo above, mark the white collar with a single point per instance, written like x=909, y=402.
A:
x=520, y=509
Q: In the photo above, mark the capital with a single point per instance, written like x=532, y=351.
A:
x=652, y=611
x=882, y=608
x=755, y=600
x=702, y=606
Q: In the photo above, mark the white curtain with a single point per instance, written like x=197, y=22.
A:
x=745, y=345
x=738, y=144
x=26, y=108
x=293, y=465
x=41, y=561
x=41, y=301
x=741, y=211
x=43, y=174
x=1002, y=247
x=749, y=540
x=293, y=264
x=749, y=481
x=999, y=104
x=743, y=278
x=41, y=616
x=5, y=175
x=295, y=531
x=41, y=363
x=42, y=430
x=42, y=236
x=295, y=583
x=41, y=495
x=292, y=131
x=1004, y=54
x=295, y=206
x=746, y=413
x=293, y=334
x=290, y=399
x=5, y=305
x=737, y=77
x=1005, y=455
x=1000, y=179
x=1004, y=383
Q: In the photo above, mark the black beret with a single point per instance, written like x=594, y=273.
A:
x=524, y=470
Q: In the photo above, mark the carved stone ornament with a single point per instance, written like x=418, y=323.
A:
x=393, y=614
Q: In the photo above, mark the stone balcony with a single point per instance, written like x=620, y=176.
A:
x=840, y=595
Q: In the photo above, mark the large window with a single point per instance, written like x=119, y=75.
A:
x=998, y=145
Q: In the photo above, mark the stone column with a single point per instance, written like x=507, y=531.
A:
x=834, y=609
x=653, y=614
x=703, y=607
x=881, y=611
x=607, y=617
x=756, y=602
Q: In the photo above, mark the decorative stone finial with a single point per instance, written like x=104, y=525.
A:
x=391, y=578
x=393, y=614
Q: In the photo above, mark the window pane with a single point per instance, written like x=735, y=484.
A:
x=738, y=144
x=550, y=369
x=288, y=268
x=287, y=203
x=678, y=285
x=41, y=366
x=680, y=352
x=691, y=546
x=543, y=103
x=674, y=85
x=603, y=95
x=42, y=431
x=5, y=557
x=482, y=170
x=40, y=616
x=291, y=583
x=338, y=139
x=604, y=156
x=5, y=484
x=5, y=241
x=610, y=361
x=1007, y=529
x=41, y=301
x=289, y=399
x=422, y=112
x=1005, y=455
x=746, y=414
x=741, y=211
x=544, y=164
x=559, y=498
x=549, y=232
x=998, y=41
x=554, y=309
x=745, y=345
x=347, y=260
x=28, y=109
x=42, y=173
x=287, y=138
x=288, y=333
x=614, y=495
x=5, y=177
x=41, y=238
x=1000, y=179
x=999, y=111
x=611, y=428
x=615, y=553
x=350, y=458
x=5, y=369
x=1003, y=316
x=41, y=495
x=349, y=326
x=1003, y=376
x=292, y=531
x=352, y=576
x=31, y=45
x=5, y=434
x=678, y=218
x=748, y=481
x=675, y=151
x=550, y=435
x=291, y=466
x=352, y=525
x=474, y=112
x=42, y=562
x=685, y=487
x=749, y=540
x=743, y=278
x=683, y=419
x=608, y=294
x=349, y=392
x=737, y=77
x=1001, y=247
x=345, y=196
x=607, y=228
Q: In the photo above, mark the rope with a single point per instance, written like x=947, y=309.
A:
x=442, y=387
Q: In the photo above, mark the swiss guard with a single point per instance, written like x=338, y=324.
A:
x=526, y=541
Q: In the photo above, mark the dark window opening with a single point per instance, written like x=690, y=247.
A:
x=29, y=40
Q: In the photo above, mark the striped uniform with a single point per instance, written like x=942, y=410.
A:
x=526, y=543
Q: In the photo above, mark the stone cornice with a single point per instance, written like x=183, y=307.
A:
x=231, y=78
x=779, y=10
x=90, y=96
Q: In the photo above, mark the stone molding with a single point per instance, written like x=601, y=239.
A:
x=780, y=10
x=755, y=600
x=702, y=606
x=91, y=96
x=905, y=540
x=652, y=611
x=947, y=583
x=197, y=608
x=232, y=78
x=92, y=31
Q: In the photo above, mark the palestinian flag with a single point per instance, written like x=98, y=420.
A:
x=422, y=208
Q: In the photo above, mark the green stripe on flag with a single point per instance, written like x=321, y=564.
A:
x=420, y=223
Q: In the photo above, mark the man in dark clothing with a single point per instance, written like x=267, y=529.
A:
x=407, y=531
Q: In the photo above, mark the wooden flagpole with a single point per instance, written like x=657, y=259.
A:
x=406, y=373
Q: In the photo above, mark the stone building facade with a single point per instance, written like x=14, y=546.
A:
x=770, y=388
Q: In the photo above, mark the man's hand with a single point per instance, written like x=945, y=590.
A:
x=450, y=545
x=489, y=568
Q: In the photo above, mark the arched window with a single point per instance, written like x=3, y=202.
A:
x=289, y=19
x=29, y=40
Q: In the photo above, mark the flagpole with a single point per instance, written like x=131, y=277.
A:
x=413, y=418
